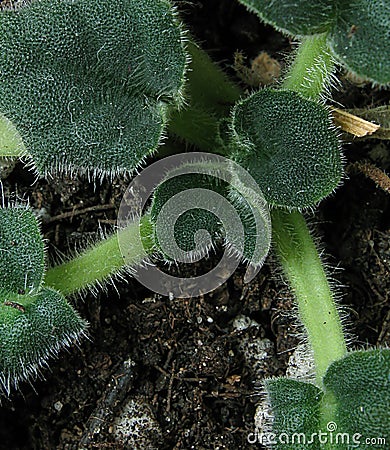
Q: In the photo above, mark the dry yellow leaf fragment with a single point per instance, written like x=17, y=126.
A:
x=353, y=124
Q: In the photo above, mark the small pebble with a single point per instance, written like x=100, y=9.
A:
x=58, y=406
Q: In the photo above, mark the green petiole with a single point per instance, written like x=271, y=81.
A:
x=305, y=272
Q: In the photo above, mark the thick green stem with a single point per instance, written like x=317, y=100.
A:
x=305, y=272
x=208, y=86
x=11, y=145
x=103, y=261
x=197, y=127
x=310, y=73
x=210, y=97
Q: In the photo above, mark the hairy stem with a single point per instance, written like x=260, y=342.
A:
x=104, y=260
x=310, y=74
x=305, y=272
x=11, y=145
x=311, y=70
x=210, y=97
x=208, y=86
x=198, y=127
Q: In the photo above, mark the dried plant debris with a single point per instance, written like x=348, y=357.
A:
x=263, y=71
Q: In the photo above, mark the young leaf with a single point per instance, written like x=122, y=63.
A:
x=35, y=322
x=207, y=202
x=21, y=250
x=186, y=220
x=32, y=329
x=252, y=208
x=296, y=408
x=87, y=82
x=288, y=145
x=298, y=18
x=359, y=385
x=360, y=38
x=352, y=410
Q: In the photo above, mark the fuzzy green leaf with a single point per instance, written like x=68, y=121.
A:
x=21, y=251
x=189, y=219
x=204, y=210
x=288, y=145
x=298, y=18
x=33, y=328
x=35, y=322
x=352, y=410
x=87, y=82
x=360, y=387
x=360, y=38
x=296, y=407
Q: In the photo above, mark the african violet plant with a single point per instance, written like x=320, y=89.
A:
x=94, y=86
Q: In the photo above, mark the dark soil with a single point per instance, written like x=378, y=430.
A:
x=189, y=369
